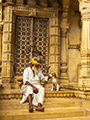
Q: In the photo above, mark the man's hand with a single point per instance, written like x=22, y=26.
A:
x=49, y=77
x=35, y=90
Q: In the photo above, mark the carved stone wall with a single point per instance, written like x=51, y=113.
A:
x=0, y=49
x=58, y=35
x=74, y=39
x=8, y=48
x=35, y=3
x=54, y=52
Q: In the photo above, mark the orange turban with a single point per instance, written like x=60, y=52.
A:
x=34, y=61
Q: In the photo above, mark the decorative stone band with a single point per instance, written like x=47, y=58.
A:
x=76, y=87
x=82, y=95
x=74, y=46
x=16, y=94
x=59, y=94
x=85, y=14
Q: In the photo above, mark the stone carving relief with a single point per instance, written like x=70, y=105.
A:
x=43, y=3
x=0, y=13
x=53, y=3
x=88, y=1
x=74, y=5
x=0, y=48
x=10, y=0
x=84, y=76
x=31, y=2
x=20, y=11
x=20, y=1
x=85, y=14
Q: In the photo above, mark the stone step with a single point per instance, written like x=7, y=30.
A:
x=48, y=114
x=28, y=118
x=49, y=103
x=70, y=118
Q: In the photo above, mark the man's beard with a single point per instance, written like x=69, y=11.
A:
x=36, y=70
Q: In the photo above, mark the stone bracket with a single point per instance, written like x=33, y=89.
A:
x=74, y=47
x=34, y=13
x=25, y=13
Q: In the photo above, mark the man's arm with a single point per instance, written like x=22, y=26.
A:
x=44, y=78
x=35, y=90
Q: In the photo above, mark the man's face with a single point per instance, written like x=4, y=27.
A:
x=37, y=66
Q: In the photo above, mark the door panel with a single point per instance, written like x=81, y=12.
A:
x=41, y=34
x=26, y=29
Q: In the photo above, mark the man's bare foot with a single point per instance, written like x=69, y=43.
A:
x=31, y=109
x=40, y=109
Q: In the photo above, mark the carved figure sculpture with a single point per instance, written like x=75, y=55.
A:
x=19, y=1
x=31, y=2
x=43, y=3
x=53, y=3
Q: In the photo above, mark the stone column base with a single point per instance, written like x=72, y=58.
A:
x=64, y=80
x=6, y=85
x=84, y=81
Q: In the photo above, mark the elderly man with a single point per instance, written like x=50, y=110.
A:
x=32, y=88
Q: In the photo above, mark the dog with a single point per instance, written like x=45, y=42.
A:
x=55, y=82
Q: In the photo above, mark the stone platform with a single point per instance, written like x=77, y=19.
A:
x=62, y=105
x=55, y=108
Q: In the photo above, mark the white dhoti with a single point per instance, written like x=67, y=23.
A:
x=37, y=98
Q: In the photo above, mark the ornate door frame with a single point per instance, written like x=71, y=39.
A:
x=9, y=37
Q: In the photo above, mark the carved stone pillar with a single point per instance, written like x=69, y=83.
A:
x=84, y=77
x=64, y=75
x=8, y=48
x=64, y=30
x=0, y=33
x=0, y=48
x=54, y=56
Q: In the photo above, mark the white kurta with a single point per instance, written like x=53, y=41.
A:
x=35, y=81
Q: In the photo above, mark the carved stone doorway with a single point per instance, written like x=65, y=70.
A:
x=27, y=29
